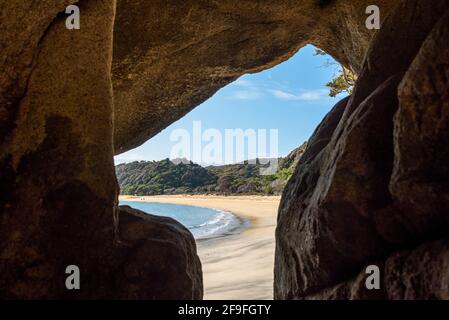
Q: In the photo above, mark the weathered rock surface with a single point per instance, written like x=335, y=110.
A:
x=369, y=185
x=159, y=259
x=23, y=28
x=331, y=207
x=171, y=56
x=419, y=274
x=371, y=190
x=57, y=184
x=420, y=181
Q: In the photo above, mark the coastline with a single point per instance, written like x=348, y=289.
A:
x=238, y=265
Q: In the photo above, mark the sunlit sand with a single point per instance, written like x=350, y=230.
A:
x=238, y=266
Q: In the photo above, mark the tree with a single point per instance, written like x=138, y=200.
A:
x=343, y=82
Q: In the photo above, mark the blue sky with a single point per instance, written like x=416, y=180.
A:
x=290, y=97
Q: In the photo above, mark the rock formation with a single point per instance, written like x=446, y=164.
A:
x=372, y=186
x=169, y=57
x=57, y=183
x=161, y=254
x=378, y=184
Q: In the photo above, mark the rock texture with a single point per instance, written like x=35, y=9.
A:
x=420, y=181
x=407, y=275
x=171, y=56
x=57, y=183
x=378, y=180
x=158, y=257
x=372, y=186
x=23, y=28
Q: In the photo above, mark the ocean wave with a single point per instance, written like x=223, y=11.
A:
x=219, y=224
x=203, y=222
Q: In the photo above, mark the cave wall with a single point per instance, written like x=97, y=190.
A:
x=58, y=191
x=57, y=178
x=372, y=187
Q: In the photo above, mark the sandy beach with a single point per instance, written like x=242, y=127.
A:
x=238, y=266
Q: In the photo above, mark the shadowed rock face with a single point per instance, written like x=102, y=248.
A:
x=158, y=252
x=330, y=206
x=380, y=184
x=420, y=180
x=23, y=28
x=372, y=186
x=415, y=274
x=57, y=182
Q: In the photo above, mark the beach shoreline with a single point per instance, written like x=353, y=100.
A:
x=238, y=265
x=240, y=222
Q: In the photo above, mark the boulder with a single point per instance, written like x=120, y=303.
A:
x=158, y=259
x=418, y=274
x=420, y=180
x=333, y=201
x=368, y=191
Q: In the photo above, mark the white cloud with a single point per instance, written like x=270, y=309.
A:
x=240, y=82
x=244, y=89
x=303, y=95
x=283, y=95
x=128, y=157
x=246, y=95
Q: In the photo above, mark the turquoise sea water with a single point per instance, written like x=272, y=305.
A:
x=202, y=222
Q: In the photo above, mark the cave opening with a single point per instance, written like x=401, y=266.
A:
x=221, y=156
x=371, y=187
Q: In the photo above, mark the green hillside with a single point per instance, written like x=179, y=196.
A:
x=176, y=177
